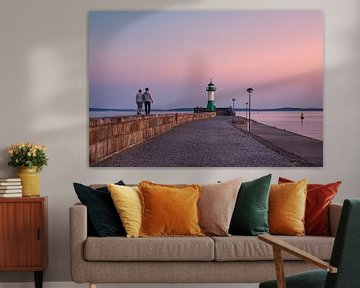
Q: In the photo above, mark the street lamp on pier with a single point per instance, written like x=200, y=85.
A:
x=249, y=90
x=246, y=114
x=233, y=109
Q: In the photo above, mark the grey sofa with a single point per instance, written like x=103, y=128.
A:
x=234, y=259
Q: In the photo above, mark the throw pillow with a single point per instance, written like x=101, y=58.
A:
x=319, y=197
x=287, y=204
x=216, y=206
x=127, y=201
x=169, y=210
x=102, y=215
x=250, y=215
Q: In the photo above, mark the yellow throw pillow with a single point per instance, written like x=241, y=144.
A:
x=169, y=210
x=287, y=204
x=127, y=201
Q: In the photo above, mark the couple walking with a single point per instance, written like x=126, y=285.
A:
x=146, y=98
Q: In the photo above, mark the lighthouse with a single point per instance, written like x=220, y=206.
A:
x=211, y=96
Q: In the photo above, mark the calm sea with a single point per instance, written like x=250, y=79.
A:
x=311, y=126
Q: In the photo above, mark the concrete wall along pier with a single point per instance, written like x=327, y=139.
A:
x=111, y=135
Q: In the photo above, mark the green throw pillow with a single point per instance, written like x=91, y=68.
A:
x=250, y=216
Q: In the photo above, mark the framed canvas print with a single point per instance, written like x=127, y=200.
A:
x=205, y=88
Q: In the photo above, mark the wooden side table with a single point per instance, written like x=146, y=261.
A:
x=23, y=235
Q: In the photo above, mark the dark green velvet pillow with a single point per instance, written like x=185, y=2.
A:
x=103, y=218
x=250, y=216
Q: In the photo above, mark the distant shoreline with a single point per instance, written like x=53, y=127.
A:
x=282, y=109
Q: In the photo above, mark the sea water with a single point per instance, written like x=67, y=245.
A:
x=311, y=126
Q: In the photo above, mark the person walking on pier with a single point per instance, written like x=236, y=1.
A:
x=139, y=101
x=148, y=100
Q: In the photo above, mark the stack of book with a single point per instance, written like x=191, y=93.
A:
x=10, y=187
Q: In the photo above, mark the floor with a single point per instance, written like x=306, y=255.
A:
x=74, y=285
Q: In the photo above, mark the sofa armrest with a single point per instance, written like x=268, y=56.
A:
x=78, y=235
x=334, y=217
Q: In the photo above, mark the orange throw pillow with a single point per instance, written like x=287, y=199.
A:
x=287, y=208
x=318, y=200
x=169, y=210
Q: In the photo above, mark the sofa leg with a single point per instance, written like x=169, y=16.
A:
x=92, y=285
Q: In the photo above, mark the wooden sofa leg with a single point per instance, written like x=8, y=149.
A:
x=92, y=285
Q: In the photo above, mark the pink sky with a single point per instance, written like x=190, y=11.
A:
x=279, y=54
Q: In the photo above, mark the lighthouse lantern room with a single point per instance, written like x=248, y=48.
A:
x=211, y=96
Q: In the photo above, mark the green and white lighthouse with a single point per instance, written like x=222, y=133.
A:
x=211, y=88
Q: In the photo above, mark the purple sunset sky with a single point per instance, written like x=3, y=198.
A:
x=175, y=53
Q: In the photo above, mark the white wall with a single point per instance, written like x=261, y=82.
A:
x=43, y=90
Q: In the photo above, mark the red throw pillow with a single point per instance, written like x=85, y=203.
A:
x=319, y=197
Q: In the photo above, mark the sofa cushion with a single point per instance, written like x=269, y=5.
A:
x=287, y=204
x=149, y=249
x=102, y=216
x=169, y=210
x=318, y=199
x=244, y=248
x=216, y=206
x=127, y=201
x=250, y=215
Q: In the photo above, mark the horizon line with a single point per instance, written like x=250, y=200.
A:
x=192, y=108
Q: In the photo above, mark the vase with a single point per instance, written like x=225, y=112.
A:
x=30, y=181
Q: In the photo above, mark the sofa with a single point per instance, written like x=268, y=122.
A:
x=233, y=259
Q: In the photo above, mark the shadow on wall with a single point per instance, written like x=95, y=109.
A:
x=44, y=54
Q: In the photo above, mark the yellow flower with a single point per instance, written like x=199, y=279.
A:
x=27, y=154
x=41, y=147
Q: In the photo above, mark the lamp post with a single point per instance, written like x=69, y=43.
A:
x=246, y=110
x=249, y=90
x=233, y=109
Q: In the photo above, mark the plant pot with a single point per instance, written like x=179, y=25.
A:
x=30, y=181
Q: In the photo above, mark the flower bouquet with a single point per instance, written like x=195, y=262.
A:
x=27, y=155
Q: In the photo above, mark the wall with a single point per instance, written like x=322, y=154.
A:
x=43, y=88
x=110, y=135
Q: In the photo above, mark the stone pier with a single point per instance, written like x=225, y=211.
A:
x=110, y=135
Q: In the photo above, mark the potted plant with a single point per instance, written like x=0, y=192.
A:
x=30, y=158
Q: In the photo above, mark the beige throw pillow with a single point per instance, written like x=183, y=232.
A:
x=216, y=206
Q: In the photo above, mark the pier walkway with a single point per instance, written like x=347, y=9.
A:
x=300, y=150
x=214, y=142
